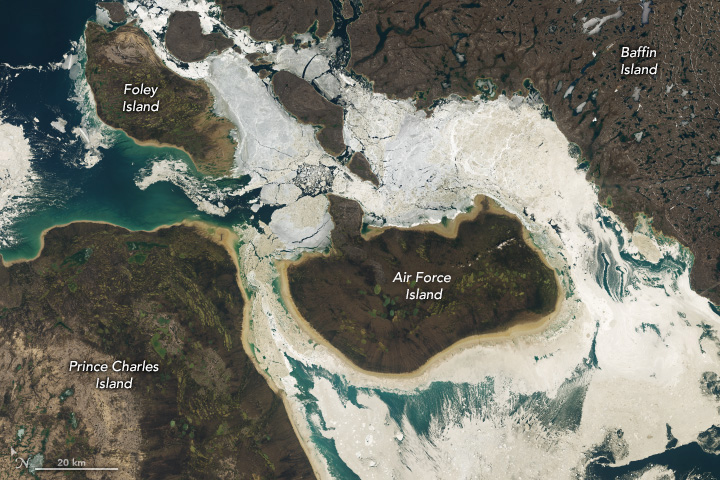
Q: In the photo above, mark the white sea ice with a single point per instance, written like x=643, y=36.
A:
x=102, y=17
x=207, y=197
x=69, y=60
x=432, y=167
x=627, y=347
x=271, y=144
x=279, y=194
x=16, y=177
x=308, y=63
x=59, y=124
x=303, y=224
x=152, y=16
x=92, y=131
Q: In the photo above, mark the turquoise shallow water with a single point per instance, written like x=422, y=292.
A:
x=447, y=404
x=64, y=190
x=107, y=192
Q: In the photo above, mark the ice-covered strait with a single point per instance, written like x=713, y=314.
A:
x=627, y=350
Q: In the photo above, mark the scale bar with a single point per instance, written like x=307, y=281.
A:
x=72, y=468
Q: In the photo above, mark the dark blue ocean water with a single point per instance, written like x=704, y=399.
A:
x=687, y=462
x=39, y=32
x=445, y=403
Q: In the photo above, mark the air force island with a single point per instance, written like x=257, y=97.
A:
x=421, y=277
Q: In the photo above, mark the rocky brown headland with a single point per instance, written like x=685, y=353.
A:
x=391, y=302
x=647, y=140
x=116, y=10
x=185, y=40
x=276, y=19
x=304, y=103
x=360, y=166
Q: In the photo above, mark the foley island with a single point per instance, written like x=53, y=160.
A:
x=391, y=300
x=137, y=93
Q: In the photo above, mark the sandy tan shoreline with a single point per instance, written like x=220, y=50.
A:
x=193, y=223
x=229, y=240
x=522, y=326
x=155, y=143
x=451, y=227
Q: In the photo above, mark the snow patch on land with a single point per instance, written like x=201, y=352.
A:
x=594, y=25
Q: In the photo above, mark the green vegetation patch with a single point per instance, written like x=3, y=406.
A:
x=78, y=258
x=157, y=346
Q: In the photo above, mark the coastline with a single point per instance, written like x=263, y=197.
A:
x=190, y=223
x=481, y=203
x=155, y=143
x=205, y=168
x=229, y=240
x=523, y=325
